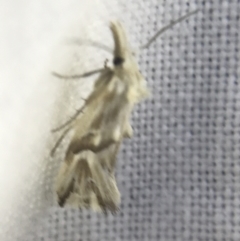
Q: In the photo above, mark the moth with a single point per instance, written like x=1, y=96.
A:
x=86, y=178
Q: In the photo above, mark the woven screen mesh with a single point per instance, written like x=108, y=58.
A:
x=179, y=176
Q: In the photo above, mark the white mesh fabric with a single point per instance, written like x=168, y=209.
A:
x=179, y=176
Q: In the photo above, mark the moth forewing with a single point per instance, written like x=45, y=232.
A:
x=86, y=178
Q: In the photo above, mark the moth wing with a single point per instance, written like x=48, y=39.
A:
x=88, y=172
x=106, y=118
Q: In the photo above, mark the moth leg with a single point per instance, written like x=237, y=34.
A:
x=59, y=141
x=68, y=122
x=78, y=76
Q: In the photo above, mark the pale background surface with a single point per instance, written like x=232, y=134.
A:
x=180, y=174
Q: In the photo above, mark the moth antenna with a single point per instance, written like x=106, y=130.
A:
x=87, y=74
x=68, y=122
x=59, y=141
x=162, y=30
x=91, y=43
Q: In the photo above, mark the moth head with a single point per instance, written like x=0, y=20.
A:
x=122, y=51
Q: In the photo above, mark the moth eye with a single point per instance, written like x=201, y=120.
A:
x=118, y=60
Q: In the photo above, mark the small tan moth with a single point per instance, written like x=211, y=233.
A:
x=86, y=178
